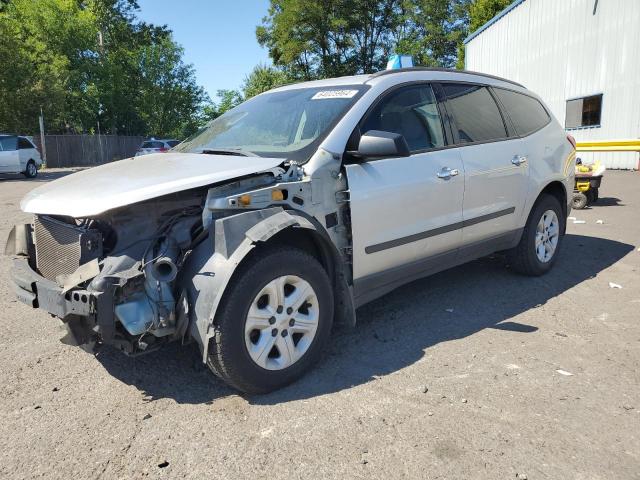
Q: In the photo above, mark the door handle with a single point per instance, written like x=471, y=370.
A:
x=519, y=160
x=446, y=173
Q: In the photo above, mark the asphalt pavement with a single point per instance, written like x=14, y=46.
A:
x=474, y=373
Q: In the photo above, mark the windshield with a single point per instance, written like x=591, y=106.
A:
x=289, y=124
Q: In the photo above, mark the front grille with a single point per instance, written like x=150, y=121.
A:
x=61, y=248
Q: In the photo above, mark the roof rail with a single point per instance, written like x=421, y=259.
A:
x=436, y=69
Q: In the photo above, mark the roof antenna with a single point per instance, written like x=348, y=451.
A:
x=595, y=7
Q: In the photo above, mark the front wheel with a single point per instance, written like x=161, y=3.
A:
x=273, y=322
x=541, y=239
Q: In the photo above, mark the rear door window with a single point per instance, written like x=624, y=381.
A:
x=172, y=143
x=475, y=113
x=527, y=114
x=9, y=143
x=412, y=112
x=152, y=145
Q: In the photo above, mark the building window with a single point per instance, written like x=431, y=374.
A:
x=583, y=112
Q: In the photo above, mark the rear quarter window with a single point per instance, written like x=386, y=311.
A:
x=152, y=145
x=24, y=144
x=527, y=114
x=172, y=143
x=475, y=113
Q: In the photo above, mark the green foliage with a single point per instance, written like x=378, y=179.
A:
x=89, y=64
x=432, y=30
x=324, y=38
x=227, y=99
x=481, y=11
x=263, y=78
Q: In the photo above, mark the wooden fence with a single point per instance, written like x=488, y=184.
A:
x=87, y=150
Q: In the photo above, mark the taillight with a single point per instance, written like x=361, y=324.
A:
x=572, y=141
x=162, y=150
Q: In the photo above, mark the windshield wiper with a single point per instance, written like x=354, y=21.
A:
x=214, y=151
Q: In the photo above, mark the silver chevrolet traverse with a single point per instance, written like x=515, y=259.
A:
x=288, y=212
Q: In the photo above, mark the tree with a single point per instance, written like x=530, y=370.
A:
x=170, y=100
x=431, y=31
x=91, y=63
x=227, y=100
x=263, y=78
x=322, y=38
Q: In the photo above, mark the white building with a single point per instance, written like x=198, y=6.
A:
x=583, y=58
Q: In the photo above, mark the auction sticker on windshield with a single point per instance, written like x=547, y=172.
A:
x=324, y=94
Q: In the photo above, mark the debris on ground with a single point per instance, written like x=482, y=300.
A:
x=464, y=400
x=450, y=310
x=571, y=218
x=147, y=416
x=565, y=373
x=614, y=285
x=425, y=389
x=579, y=221
x=600, y=222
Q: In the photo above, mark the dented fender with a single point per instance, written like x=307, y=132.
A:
x=211, y=264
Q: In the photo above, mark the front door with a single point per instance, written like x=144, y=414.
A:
x=495, y=164
x=405, y=209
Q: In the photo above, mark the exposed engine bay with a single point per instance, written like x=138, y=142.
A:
x=136, y=254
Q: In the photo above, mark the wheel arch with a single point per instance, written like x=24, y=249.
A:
x=557, y=189
x=236, y=240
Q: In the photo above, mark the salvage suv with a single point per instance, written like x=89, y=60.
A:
x=288, y=212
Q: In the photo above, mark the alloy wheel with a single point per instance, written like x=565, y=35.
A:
x=281, y=323
x=547, y=236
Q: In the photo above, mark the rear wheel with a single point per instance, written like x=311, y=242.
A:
x=32, y=170
x=274, y=321
x=541, y=239
x=579, y=201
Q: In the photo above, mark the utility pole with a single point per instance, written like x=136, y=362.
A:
x=42, y=141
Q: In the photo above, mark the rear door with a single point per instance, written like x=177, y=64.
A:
x=405, y=209
x=495, y=163
x=9, y=157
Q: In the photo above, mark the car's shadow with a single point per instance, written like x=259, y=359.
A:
x=43, y=176
x=392, y=332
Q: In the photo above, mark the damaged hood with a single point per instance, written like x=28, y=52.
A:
x=116, y=184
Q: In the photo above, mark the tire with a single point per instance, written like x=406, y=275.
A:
x=526, y=258
x=579, y=201
x=234, y=351
x=32, y=170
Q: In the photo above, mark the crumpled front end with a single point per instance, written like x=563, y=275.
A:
x=112, y=279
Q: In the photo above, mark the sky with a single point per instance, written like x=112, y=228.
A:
x=218, y=36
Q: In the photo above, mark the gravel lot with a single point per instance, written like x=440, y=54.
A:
x=454, y=376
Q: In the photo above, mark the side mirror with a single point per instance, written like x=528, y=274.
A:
x=378, y=144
